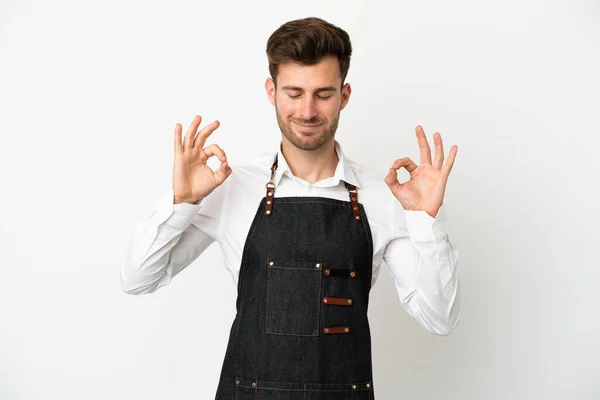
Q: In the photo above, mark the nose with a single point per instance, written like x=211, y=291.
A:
x=308, y=108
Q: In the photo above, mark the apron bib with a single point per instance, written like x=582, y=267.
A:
x=301, y=329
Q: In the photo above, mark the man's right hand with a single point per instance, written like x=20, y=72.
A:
x=193, y=179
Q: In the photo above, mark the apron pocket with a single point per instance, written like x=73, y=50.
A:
x=293, y=297
x=247, y=389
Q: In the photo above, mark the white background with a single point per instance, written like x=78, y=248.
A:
x=91, y=91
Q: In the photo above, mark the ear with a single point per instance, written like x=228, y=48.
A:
x=346, y=91
x=270, y=88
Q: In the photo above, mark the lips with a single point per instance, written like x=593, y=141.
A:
x=307, y=126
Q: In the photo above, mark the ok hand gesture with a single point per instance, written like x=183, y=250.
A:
x=193, y=179
x=425, y=189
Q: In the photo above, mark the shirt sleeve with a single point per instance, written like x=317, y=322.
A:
x=423, y=263
x=169, y=239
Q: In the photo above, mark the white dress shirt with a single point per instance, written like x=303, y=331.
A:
x=413, y=244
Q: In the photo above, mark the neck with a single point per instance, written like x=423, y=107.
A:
x=310, y=166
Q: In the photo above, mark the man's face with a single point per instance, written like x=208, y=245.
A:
x=308, y=100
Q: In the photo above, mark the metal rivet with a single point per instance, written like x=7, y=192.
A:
x=355, y=208
x=346, y=329
x=326, y=330
x=354, y=199
x=253, y=384
x=349, y=301
x=271, y=263
x=327, y=271
x=268, y=212
x=237, y=381
x=357, y=218
x=352, y=274
x=353, y=386
x=269, y=202
x=318, y=265
x=269, y=194
x=368, y=385
x=325, y=300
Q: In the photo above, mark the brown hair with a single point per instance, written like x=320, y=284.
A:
x=307, y=41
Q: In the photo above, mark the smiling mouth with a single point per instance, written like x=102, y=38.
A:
x=307, y=126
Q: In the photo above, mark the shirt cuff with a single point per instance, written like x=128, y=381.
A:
x=422, y=227
x=179, y=216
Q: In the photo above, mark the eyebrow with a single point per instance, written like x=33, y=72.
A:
x=322, y=89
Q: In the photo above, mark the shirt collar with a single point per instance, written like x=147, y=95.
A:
x=343, y=171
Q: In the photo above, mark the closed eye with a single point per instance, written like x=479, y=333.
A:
x=319, y=97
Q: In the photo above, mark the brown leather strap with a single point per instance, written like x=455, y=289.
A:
x=354, y=200
x=345, y=273
x=269, y=200
x=337, y=301
x=328, y=330
x=270, y=196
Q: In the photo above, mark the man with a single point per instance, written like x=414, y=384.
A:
x=303, y=232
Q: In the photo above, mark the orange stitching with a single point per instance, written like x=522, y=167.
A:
x=295, y=269
x=267, y=298
x=267, y=301
x=307, y=390
x=236, y=387
x=319, y=307
x=360, y=386
x=345, y=203
x=292, y=334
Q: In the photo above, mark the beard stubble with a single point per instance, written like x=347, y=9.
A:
x=316, y=139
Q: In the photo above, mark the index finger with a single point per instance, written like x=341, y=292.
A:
x=205, y=133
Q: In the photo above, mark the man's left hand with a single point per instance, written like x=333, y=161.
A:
x=425, y=189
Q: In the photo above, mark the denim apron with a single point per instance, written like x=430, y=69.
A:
x=301, y=330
